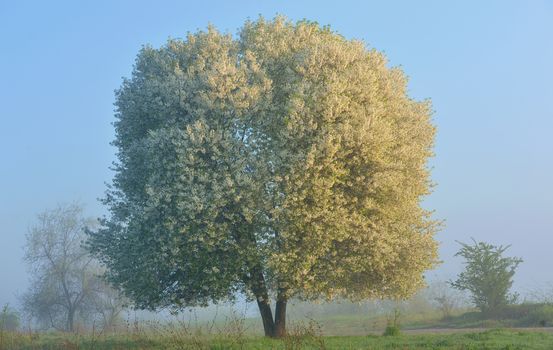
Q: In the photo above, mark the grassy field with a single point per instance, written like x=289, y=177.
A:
x=520, y=316
x=491, y=339
x=422, y=330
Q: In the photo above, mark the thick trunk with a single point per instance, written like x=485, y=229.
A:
x=275, y=328
x=266, y=316
x=280, y=318
x=259, y=289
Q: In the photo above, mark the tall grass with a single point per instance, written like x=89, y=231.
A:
x=301, y=337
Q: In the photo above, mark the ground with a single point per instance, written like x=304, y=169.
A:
x=516, y=327
x=489, y=339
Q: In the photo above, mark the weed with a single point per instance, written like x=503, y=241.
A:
x=393, y=325
x=302, y=334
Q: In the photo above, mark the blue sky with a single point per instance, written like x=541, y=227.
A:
x=486, y=65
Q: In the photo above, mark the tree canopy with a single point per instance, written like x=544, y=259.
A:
x=286, y=161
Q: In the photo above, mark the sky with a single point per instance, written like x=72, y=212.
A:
x=486, y=66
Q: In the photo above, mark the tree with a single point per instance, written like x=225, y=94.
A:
x=285, y=162
x=445, y=298
x=9, y=319
x=488, y=275
x=108, y=306
x=541, y=294
x=65, y=280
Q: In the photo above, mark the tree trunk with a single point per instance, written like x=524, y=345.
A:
x=275, y=328
x=280, y=318
x=266, y=316
x=71, y=320
x=259, y=289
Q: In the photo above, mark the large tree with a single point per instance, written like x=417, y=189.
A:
x=284, y=162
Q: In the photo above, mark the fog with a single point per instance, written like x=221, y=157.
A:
x=486, y=67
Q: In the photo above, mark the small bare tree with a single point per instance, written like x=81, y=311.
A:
x=9, y=319
x=65, y=284
x=542, y=294
x=445, y=298
x=109, y=304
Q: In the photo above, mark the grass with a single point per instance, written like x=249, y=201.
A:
x=361, y=324
x=521, y=315
x=342, y=331
x=491, y=339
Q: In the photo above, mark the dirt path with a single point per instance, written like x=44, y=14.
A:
x=423, y=331
x=472, y=330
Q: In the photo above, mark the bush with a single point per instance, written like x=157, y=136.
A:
x=392, y=327
x=525, y=315
x=302, y=335
x=539, y=315
x=9, y=319
x=392, y=331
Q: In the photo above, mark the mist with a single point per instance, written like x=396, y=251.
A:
x=487, y=73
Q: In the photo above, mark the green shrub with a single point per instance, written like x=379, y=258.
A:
x=392, y=327
x=392, y=331
x=541, y=316
x=524, y=315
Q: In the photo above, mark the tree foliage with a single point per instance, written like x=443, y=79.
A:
x=286, y=161
x=488, y=275
x=65, y=280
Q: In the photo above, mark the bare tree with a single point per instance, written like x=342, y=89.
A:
x=445, y=298
x=9, y=320
x=109, y=304
x=65, y=286
x=542, y=294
